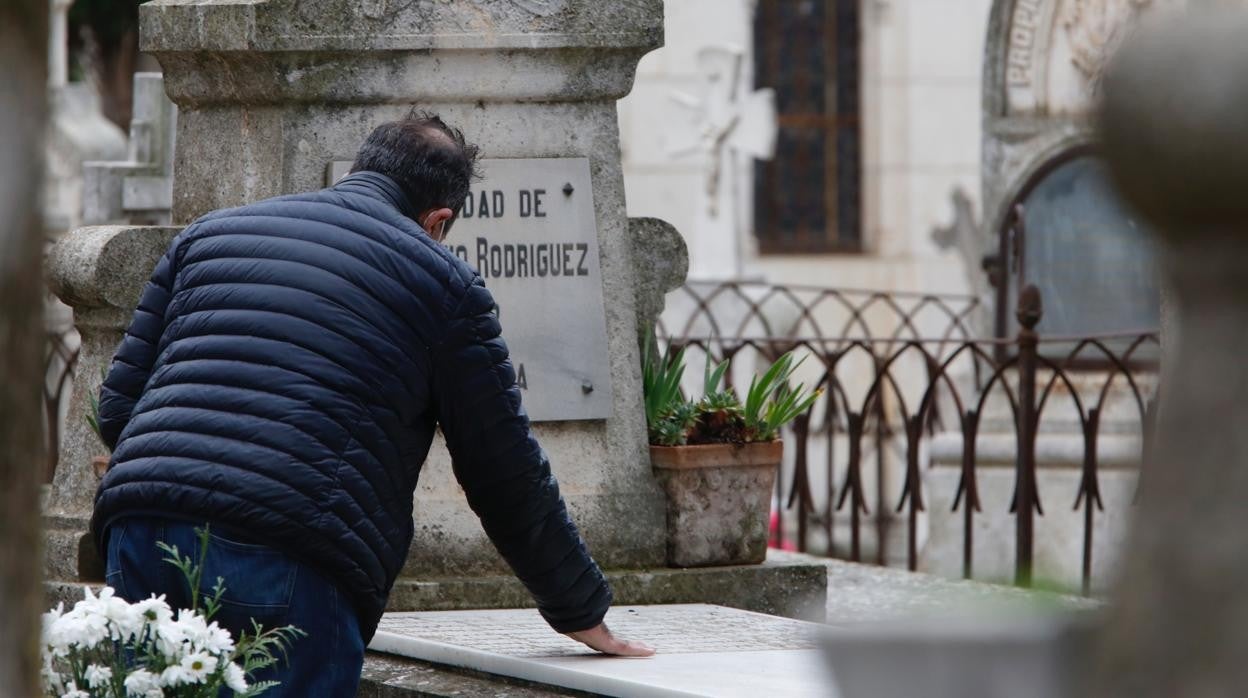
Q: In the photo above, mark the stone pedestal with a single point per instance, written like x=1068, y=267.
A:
x=99, y=272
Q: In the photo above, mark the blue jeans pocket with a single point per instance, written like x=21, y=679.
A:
x=113, y=576
x=257, y=578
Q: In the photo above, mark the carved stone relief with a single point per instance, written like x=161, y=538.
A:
x=1095, y=28
x=1057, y=50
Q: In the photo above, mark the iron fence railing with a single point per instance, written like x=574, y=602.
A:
x=897, y=369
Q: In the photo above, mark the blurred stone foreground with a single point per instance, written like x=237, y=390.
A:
x=262, y=114
x=23, y=110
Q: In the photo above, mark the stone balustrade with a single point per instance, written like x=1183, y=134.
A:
x=99, y=272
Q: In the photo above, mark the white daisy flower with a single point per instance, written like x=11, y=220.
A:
x=199, y=666
x=141, y=682
x=154, y=610
x=216, y=640
x=98, y=676
x=235, y=679
x=174, y=675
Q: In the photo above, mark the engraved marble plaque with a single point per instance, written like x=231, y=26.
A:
x=529, y=229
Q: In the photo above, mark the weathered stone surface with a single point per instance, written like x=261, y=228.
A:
x=389, y=676
x=270, y=92
x=718, y=501
x=69, y=551
x=862, y=594
x=100, y=273
x=661, y=258
x=1177, y=143
x=884, y=617
x=794, y=587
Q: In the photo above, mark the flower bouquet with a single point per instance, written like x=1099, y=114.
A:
x=107, y=648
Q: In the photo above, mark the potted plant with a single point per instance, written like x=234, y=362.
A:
x=717, y=457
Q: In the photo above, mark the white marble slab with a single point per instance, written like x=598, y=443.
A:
x=702, y=651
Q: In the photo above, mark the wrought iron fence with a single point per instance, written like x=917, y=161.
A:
x=896, y=370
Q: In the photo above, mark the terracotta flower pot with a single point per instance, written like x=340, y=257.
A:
x=718, y=501
x=100, y=465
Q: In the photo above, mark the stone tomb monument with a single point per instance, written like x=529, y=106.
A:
x=1094, y=265
x=274, y=95
x=1086, y=252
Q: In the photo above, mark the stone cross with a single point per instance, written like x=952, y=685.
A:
x=731, y=126
x=1176, y=139
x=726, y=121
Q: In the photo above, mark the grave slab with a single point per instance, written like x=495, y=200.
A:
x=702, y=650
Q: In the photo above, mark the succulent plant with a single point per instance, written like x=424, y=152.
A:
x=720, y=416
x=672, y=429
x=720, y=419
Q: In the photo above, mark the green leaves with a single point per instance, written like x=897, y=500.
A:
x=771, y=403
x=712, y=377
x=660, y=382
x=720, y=416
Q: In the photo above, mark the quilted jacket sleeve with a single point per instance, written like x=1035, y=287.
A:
x=505, y=473
x=132, y=364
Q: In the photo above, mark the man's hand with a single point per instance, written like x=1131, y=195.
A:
x=600, y=638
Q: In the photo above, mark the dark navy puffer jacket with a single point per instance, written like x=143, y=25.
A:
x=284, y=374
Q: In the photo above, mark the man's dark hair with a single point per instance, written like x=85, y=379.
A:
x=430, y=160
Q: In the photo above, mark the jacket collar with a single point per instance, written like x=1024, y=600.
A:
x=380, y=186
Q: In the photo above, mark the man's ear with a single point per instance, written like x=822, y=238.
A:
x=434, y=222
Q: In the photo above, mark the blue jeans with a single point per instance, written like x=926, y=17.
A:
x=261, y=583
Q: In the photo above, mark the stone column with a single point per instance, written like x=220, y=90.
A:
x=58, y=43
x=1176, y=137
x=99, y=272
x=271, y=92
